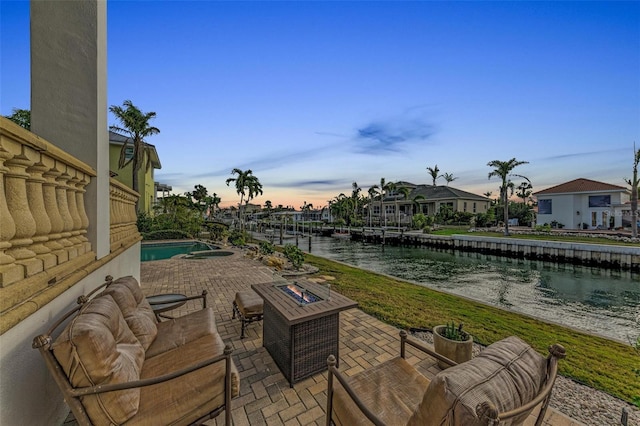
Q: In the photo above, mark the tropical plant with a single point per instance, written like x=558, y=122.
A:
x=373, y=193
x=135, y=124
x=294, y=255
x=237, y=238
x=502, y=169
x=433, y=171
x=22, y=117
x=451, y=332
x=448, y=177
x=635, y=189
x=405, y=194
x=524, y=190
x=385, y=187
x=247, y=186
x=266, y=248
x=355, y=195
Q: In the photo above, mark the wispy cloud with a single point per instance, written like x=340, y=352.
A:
x=392, y=134
x=319, y=183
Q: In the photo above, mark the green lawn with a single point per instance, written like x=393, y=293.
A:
x=597, y=362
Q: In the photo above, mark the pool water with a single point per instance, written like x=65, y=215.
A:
x=159, y=251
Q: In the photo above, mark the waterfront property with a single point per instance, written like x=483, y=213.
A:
x=585, y=204
x=166, y=250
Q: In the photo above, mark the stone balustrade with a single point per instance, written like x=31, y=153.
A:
x=124, y=229
x=44, y=248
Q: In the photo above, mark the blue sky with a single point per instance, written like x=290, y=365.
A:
x=313, y=96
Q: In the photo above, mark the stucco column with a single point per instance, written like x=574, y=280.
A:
x=69, y=97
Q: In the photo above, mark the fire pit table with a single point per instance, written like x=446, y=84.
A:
x=301, y=325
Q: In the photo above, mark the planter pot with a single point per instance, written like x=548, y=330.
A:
x=455, y=350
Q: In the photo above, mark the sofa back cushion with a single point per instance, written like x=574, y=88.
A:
x=508, y=373
x=98, y=348
x=135, y=308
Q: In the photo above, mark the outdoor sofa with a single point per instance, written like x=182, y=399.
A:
x=116, y=364
x=500, y=386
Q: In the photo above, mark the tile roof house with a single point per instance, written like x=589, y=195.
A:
x=584, y=204
x=428, y=200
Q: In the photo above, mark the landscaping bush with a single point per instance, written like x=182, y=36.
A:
x=266, y=248
x=294, y=255
x=237, y=238
x=144, y=222
x=165, y=234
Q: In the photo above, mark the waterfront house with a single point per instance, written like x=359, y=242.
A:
x=426, y=199
x=147, y=186
x=584, y=204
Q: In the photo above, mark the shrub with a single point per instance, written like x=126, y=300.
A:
x=294, y=255
x=275, y=262
x=144, y=222
x=451, y=332
x=165, y=234
x=237, y=238
x=217, y=231
x=266, y=247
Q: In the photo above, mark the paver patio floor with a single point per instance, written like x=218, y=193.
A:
x=265, y=396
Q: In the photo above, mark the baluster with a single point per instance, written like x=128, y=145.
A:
x=35, y=198
x=73, y=210
x=51, y=207
x=16, y=194
x=80, y=191
x=67, y=220
x=9, y=271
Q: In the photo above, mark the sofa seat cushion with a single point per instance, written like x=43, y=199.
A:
x=186, y=398
x=249, y=303
x=179, y=331
x=135, y=308
x=508, y=373
x=391, y=390
x=98, y=348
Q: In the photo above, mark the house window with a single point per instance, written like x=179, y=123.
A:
x=464, y=207
x=128, y=153
x=599, y=200
x=474, y=207
x=544, y=206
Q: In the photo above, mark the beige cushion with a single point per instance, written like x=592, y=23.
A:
x=97, y=348
x=508, y=373
x=135, y=308
x=184, y=399
x=392, y=390
x=249, y=303
x=179, y=331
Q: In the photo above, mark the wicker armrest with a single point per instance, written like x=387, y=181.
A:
x=333, y=372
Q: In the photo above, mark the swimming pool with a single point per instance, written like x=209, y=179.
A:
x=159, y=251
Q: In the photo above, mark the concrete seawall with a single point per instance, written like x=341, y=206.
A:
x=600, y=255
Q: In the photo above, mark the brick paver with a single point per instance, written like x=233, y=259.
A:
x=265, y=395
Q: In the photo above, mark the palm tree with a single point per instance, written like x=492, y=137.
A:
x=355, y=193
x=634, y=182
x=247, y=186
x=135, y=124
x=373, y=193
x=502, y=169
x=405, y=193
x=524, y=190
x=434, y=173
x=384, y=188
x=448, y=177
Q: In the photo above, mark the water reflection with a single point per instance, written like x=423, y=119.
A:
x=601, y=301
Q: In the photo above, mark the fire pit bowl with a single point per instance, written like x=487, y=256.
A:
x=299, y=293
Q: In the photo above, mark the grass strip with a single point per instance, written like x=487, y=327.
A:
x=597, y=362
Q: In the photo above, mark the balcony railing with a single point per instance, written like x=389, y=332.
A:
x=44, y=248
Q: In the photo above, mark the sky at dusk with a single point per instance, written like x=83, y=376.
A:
x=312, y=96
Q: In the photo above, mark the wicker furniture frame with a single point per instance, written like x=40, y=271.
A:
x=487, y=413
x=73, y=395
x=245, y=318
x=300, y=338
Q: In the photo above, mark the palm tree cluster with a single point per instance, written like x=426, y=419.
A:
x=247, y=187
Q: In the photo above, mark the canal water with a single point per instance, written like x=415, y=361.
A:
x=600, y=301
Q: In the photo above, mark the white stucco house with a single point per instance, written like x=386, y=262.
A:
x=585, y=204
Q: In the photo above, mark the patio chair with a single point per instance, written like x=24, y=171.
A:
x=501, y=386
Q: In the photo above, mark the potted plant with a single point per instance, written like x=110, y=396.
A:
x=452, y=342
